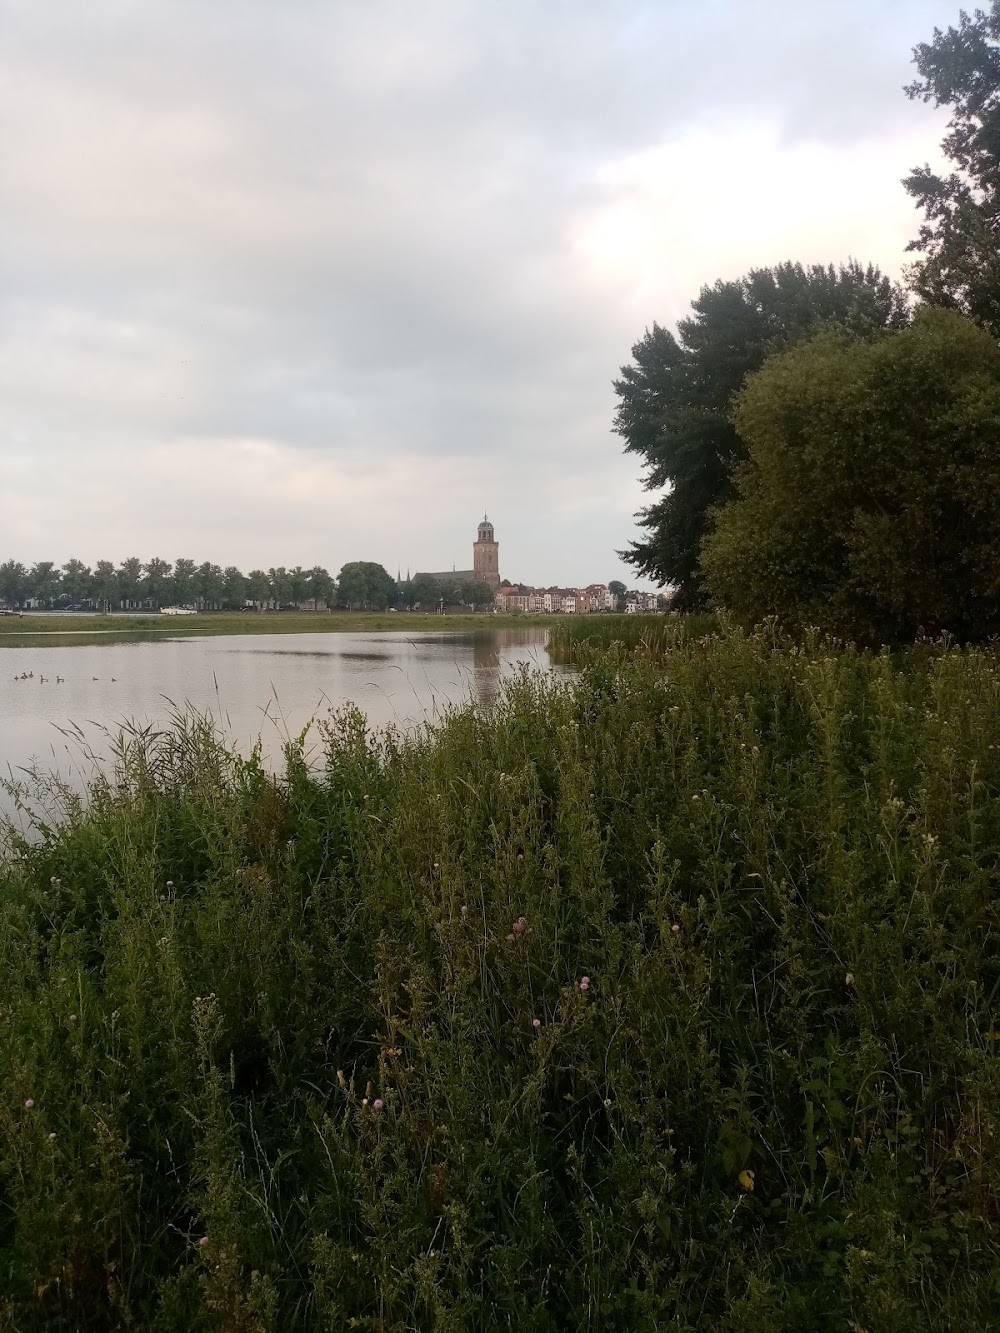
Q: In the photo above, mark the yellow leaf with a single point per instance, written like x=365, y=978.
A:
x=746, y=1180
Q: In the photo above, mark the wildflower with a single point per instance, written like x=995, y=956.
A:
x=746, y=1179
x=72, y=1018
x=675, y=928
x=519, y=926
x=170, y=885
x=52, y=1137
x=203, y=1242
x=849, y=979
x=377, y=1104
x=510, y=939
x=465, y=910
x=364, y=1101
x=29, y=1103
x=536, y=1023
x=585, y=983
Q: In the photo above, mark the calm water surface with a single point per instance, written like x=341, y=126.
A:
x=257, y=685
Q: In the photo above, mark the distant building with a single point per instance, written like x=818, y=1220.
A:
x=485, y=562
x=486, y=555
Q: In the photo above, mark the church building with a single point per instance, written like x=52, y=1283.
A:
x=485, y=561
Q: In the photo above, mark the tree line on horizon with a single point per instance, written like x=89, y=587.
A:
x=134, y=584
x=825, y=443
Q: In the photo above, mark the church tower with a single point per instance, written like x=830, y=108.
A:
x=486, y=555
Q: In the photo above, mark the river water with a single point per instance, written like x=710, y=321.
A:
x=81, y=688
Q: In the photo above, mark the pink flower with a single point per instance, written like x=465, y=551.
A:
x=510, y=939
x=675, y=929
x=377, y=1104
x=29, y=1103
x=203, y=1242
x=536, y=1023
x=585, y=983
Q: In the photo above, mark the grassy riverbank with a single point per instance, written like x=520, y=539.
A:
x=577, y=638
x=281, y=622
x=663, y=999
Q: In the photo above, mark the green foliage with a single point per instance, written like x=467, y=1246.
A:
x=870, y=503
x=427, y=592
x=76, y=581
x=204, y=586
x=573, y=639
x=107, y=584
x=157, y=584
x=363, y=585
x=675, y=401
x=15, y=582
x=295, y=1017
x=960, y=264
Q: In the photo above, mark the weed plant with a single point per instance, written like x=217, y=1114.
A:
x=666, y=997
x=570, y=638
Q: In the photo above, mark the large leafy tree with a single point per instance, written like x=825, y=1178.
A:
x=157, y=584
x=235, y=587
x=210, y=585
x=959, y=241
x=258, y=587
x=15, y=582
x=281, y=585
x=130, y=580
x=45, y=581
x=675, y=399
x=319, y=586
x=184, y=581
x=870, y=502
x=365, y=585
x=106, y=584
x=77, y=581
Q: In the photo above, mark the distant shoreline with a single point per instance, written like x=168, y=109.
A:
x=267, y=622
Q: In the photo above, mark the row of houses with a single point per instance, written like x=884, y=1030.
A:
x=595, y=597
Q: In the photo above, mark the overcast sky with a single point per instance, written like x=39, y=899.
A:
x=303, y=282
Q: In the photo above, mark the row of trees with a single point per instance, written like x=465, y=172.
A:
x=158, y=583
x=827, y=443
x=360, y=585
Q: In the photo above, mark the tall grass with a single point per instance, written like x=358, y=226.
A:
x=666, y=998
x=575, y=638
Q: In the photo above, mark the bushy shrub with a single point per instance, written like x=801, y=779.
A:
x=870, y=502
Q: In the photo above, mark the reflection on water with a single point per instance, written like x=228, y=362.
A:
x=256, y=686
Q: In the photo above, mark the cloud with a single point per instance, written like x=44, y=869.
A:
x=406, y=247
